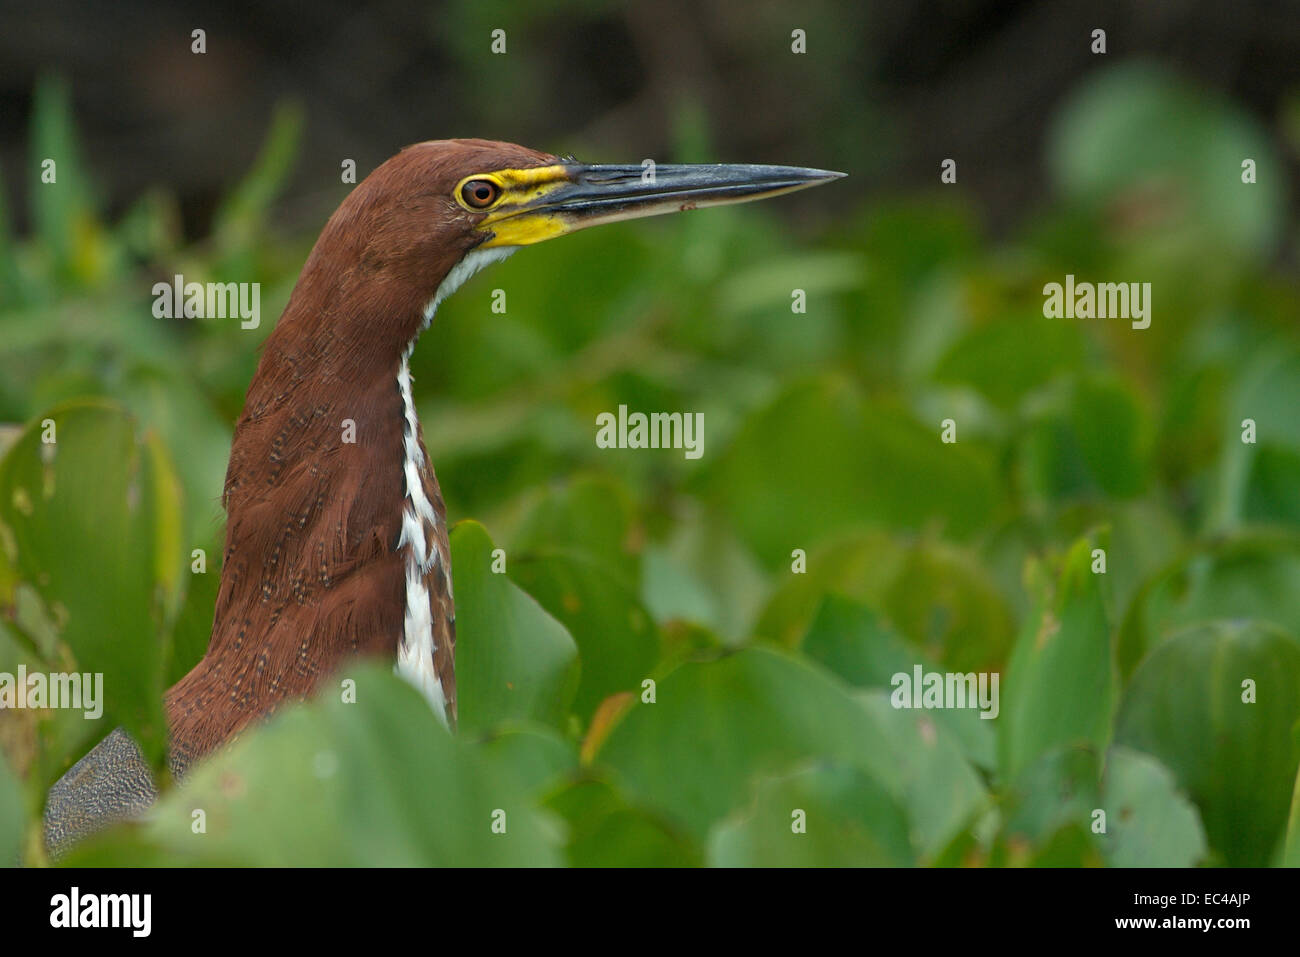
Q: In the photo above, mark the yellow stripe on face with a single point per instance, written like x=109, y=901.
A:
x=510, y=222
x=524, y=229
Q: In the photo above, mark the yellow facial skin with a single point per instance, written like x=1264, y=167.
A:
x=511, y=219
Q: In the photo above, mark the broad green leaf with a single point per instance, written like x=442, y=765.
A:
x=858, y=566
x=92, y=522
x=827, y=816
x=1271, y=491
x=1059, y=789
x=1071, y=846
x=942, y=793
x=819, y=459
x=513, y=660
x=616, y=638
x=199, y=442
x=671, y=592
x=1052, y=813
x=945, y=601
x=939, y=596
x=1060, y=686
x=715, y=725
x=1218, y=705
x=1113, y=436
x=1091, y=441
x=1149, y=822
x=1010, y=357
x=1050, y=462
x=704, y=574
x=332, y=783
x=848, y=638
x=592, y=516
x=193, y=628
x=763, y=284
x=534, y=753
x=606, y=831
x=1255, y=575
x=1248, y=471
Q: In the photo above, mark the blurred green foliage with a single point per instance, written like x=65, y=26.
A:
x=1122, y=690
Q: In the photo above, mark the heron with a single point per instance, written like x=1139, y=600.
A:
x=336, y=549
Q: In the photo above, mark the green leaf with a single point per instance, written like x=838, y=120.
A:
x=1271, y=490
x=1236, y=759
x=832, y=816
x=1071, y=846
x=858, y=566
x=1058, y=789
x=1149, y=822
x=704, y=574
x=818, y=460
x=942, y=793
x=1092, y=441
x=513, y=660
x=1252, y=576
x=1060, y=687
x=1007, y=359
x=592, y=515
x=92, y=521
x=1113, y=437
x=937, y=595
x=375, y=782
x=1248, y=473
x=714, y=725
x=848, y=638
x=199, y=442
x=616, y=638
x=945, y=601
x=193, y=628
x=534, y=753
x=63, y=211
x=606, y=831
x=1050, y=813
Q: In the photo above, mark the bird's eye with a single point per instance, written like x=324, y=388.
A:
x=480, y=193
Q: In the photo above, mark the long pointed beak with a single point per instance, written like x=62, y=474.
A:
x=578, y=196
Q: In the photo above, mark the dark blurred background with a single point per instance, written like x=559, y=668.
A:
x=885, y=90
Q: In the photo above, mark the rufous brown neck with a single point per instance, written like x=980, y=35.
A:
x=317, y=565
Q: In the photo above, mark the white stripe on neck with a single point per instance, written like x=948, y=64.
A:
x=415, y=654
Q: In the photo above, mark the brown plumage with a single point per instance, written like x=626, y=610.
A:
x=311, y=571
